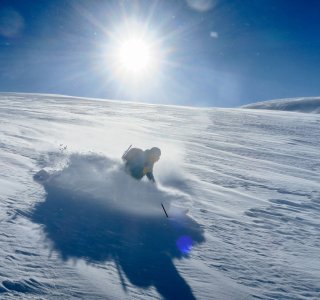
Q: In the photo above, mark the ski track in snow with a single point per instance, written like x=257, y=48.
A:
x=249, y=178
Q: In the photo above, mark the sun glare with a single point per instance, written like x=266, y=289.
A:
x=135, y=55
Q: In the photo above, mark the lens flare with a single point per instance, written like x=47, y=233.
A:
x=184, y=244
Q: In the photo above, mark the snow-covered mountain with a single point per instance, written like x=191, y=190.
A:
x=74, y=225
x=305, y=105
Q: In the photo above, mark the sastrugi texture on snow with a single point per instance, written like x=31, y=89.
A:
x=241, y=187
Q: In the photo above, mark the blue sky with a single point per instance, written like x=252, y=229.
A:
x=213, y=52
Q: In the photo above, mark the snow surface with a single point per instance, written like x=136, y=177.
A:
x=74, y=225
x=305, y=105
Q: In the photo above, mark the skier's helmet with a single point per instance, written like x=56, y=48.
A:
x=155, y=153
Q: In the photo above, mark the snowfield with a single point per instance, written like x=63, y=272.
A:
x=74, y=225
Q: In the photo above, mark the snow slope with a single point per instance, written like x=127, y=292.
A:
x=74, y=225
x=305, y=105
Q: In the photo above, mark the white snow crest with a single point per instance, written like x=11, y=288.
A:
x=306, y=105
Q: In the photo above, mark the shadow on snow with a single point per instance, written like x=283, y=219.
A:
x=142, y=246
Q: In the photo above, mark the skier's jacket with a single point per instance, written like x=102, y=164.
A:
x=139, y=163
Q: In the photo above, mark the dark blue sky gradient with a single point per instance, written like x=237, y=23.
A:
x=259, y=49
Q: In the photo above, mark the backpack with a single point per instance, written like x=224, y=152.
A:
x=133, y=154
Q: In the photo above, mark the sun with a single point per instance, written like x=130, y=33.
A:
x=135, y=55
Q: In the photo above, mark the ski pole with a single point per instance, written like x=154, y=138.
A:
x=164, y=210
x=125, y=152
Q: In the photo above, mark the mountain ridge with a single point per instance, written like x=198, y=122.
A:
x=301, y=104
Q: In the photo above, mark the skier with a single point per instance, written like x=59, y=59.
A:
x=139, y=163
